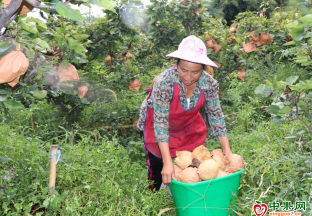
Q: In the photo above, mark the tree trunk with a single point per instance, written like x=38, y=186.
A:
x=8, y=14
x=185, y=25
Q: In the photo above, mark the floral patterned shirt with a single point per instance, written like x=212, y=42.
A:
x=162, y=94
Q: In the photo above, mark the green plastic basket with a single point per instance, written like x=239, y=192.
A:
x=210, y=197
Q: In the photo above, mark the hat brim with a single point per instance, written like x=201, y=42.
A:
x=198, y=59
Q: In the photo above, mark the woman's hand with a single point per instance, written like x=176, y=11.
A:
x=227, y=152
x=168, y=173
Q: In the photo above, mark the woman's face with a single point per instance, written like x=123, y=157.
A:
x=189, y=72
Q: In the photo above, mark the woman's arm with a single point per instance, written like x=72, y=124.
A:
x=216, y=117
x=168, y=168
x=224, y=141
x=161, y=96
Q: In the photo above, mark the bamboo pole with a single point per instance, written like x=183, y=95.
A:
x=52, y=175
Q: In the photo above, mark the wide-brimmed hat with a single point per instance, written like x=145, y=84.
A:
x=194, y=50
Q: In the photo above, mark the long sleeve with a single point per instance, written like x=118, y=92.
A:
x=161, y=96
x=213, y=108
x=142, y=116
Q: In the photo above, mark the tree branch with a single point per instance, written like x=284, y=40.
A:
x=8, y=14
x=11, y=19
x=42, y=15
x=29, y=76
x=230, y=71
x=3, y=37
x=88, y=125
x=186, y=28
x=305, y=124
x=98, y=53
x=100, y=38
x=37, y=4
x=61, y=106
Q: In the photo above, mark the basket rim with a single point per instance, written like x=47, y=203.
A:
x=175, y=182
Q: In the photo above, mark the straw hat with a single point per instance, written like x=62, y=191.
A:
x=194, y=50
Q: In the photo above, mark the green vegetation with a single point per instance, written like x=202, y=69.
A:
x=268, y=115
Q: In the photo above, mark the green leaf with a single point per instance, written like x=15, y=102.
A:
x=12, y=104
x=278, y=120
x=263, y=90
x=87, y=187
x=81, y=61
x=273, y=109
x=42, y=170
x=269, y=83
x=304, y=108
x=238, y=40
x=68, y=12
x=45, y=203
x=303, y=9
x=4, y=94
x=239, y=31
x=292, y=24
x=290, y=43
x=107, y=4
x=5, y=48
x=64, y=63
x=5, y=160
x=285, y=110
x=302, y=59
x=297, y=34
x=307, y=85
x=39, y=22
x=43, y=44
x=290, y=137
x=280, y=86
x=308, y=35
x=294, y=87
x=28, y=27
x=307, y=19
x=79, y=49
x=292, y=79
x=84, y=101
x=39, y=94
x=306, y=63
x=308, y=115
x=82, y=36
x=72, y=43
x=75, y=45
x=162, y=16
x=309, y=163
x=60, y=31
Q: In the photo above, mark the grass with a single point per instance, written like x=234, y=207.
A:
x=109, y=181
x=111, y=175
x=106, y=182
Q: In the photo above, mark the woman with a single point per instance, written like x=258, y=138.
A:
x=169, y=116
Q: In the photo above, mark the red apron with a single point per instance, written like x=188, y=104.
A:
x=187, y=129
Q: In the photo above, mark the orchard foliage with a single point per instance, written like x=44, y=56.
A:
x=264, y=61
x=130, y=42
x=291, y=98
x=229, y=9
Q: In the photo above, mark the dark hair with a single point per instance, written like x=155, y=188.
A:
x=178, y=61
